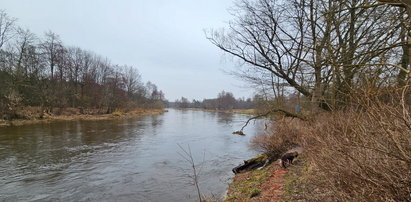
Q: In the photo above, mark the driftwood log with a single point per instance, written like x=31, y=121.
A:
x=238, y=133
x=254, y=163
x=286, y=159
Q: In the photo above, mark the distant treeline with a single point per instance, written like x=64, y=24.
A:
x=224, y=101
x=43, y=72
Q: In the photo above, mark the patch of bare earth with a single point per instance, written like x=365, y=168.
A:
x=266, y=184
x=274, y=187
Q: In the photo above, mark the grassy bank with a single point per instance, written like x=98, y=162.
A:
x=32, y=115
x=257, y=185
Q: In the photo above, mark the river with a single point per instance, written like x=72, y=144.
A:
x=134, y=159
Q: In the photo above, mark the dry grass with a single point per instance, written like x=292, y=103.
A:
x=360, y=154
x=283, y=138
x=32, y=116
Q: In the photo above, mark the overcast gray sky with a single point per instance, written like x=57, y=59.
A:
x=164, y=39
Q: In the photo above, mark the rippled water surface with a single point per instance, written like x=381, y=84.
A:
x=122, y=160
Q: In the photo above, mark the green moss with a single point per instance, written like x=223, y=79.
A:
x=245, y=189
x=254, y=192
x=295, y=180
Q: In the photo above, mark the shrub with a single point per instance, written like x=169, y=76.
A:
x=284, y=136
x=362, y=155
x=359, y=154
x=117, y=112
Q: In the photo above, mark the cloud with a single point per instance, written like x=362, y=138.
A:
x=163, y=39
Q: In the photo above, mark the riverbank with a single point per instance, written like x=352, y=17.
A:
x=337, y=164
x=70, y=114
x=266, y=184
x=270, y=183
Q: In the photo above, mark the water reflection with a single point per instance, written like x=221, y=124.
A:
x=225, y=118
x=122, y=160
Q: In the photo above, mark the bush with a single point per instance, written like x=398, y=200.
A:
x=361, y=154
x=283, y=138
x=117, y=112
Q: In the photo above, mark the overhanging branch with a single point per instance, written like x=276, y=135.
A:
x=286, y=113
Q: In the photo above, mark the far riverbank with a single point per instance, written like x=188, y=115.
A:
x=71, y=114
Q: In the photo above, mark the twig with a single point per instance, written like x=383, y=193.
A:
x=188, y=156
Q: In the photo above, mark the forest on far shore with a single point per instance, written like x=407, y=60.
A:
x=45, y=73
x=224, y=101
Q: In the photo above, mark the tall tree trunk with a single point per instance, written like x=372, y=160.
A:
x=406, y=57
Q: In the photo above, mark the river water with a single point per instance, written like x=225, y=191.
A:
x=122, y=160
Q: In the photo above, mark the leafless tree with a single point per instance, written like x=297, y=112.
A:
x=319, y=48
x=226, y=101
x=44, y=72
x=27, y=57
x=132, y=79
x=6, y=28
x=51, y=46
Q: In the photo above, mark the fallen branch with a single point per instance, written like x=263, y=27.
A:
x=286, y=113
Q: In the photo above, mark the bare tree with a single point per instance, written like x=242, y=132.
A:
x=51, y=46
x=404, y=18
x=26, y=52
x=6, y=27
x=319, y=48
x=132, y=79
x=43, y=72
x=226, y=100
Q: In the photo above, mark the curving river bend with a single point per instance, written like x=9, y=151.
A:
x=122, y=160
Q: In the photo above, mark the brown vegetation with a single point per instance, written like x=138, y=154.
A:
x=360, y=154
x=342, y=68
x=283, y=136
x=31, y=115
